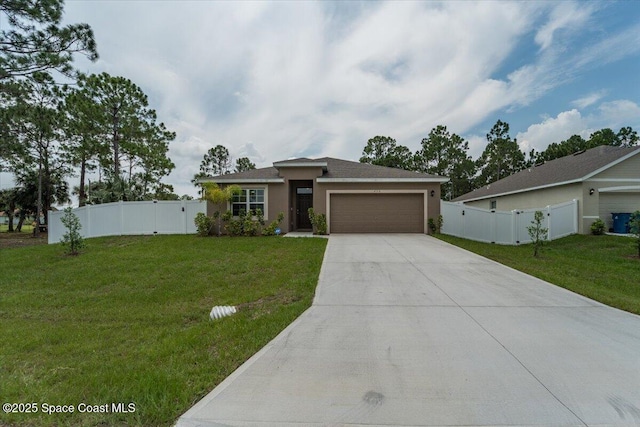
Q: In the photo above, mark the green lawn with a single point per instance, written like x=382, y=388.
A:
x=604, y=268
x=26, y=228
x=127, y=321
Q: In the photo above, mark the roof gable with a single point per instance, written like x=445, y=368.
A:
x=565, y=170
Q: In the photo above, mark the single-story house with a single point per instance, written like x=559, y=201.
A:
x=604, y=180
x=355, y=197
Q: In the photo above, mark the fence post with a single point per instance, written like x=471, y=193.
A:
x=184, y=215
x=549, y=222
x=493, y=227
x=513, y=227
x=89, y=232
x=121, y=203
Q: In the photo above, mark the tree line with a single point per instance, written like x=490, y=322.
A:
x=218, y=161
x=446, y=154
x=51, y=131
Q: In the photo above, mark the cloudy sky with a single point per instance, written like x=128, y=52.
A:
x=274, y=80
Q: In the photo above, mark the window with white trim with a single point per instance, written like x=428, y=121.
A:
x=248, y=199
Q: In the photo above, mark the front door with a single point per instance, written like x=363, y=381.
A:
x=303, y=203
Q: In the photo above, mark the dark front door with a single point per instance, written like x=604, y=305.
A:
x=303, y=203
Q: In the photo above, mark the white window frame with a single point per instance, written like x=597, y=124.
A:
x=248, y=202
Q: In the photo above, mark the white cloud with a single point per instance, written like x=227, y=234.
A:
x=564, y=16
x=589, y=99
x=614, y=115
x=619, y=113
x=271, y=80
x=553, y=129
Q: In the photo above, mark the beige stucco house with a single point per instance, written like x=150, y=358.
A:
x=355, y=197
x=604, y=180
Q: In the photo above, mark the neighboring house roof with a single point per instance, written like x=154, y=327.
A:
x=335, y=170
x=565, y=170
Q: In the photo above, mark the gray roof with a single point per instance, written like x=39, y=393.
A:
x=336, y=170
x=565, y=170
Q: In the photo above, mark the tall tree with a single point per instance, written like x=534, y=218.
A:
x=627, y=137
x=244, y=164
x=501, y=157
x=82, y=142
x=384, y=151
x=8, y=204
x=604, y=136
x=37, y=128
x=127, y=130
x=35, y=41
x=216, y=161
x=445, y=154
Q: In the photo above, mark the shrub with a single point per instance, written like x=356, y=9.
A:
x=246, y=224
x=435, y=225
x=252, y=222
x=270, y=230
x=71, y=240
x=597, y=228
x=537, y=232
x=204, y=224
x=318, y=222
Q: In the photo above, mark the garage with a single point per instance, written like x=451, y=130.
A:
x=618, y=200
x=377, y=213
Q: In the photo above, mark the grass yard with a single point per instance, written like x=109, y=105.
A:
x=127, y=321
x=604, y=268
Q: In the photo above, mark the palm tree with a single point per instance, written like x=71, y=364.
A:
x=216, y=195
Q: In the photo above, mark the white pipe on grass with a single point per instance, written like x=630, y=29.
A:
x=220, y=311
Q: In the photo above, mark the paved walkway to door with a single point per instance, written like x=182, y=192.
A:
x=408, y=330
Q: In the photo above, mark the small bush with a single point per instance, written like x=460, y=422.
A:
x=270, y=230
x=435, y=225
x=204, y=224
x=72, y=241
x=598, y=227
x=537, y=232
x=318, y=222
x=246, y=224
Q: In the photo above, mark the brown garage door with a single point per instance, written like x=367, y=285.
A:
x=377, y=213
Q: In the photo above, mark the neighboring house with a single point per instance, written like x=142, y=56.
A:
x=604, y=180
x=356, y=197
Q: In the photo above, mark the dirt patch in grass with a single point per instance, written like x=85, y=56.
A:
x=20, y=240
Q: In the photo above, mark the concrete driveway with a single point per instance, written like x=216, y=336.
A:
x=407, y=330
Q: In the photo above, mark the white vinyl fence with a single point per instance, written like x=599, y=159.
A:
x=507, y=228
x=129, y=218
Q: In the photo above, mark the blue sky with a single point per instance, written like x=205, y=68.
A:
x=274, y=80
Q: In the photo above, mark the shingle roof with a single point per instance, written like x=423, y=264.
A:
x=336, y=169
x=573, y=168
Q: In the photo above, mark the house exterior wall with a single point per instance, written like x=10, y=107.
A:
x=617, y=189
x=538, y=199
x=277, y=194
x=531, y=199
x=623, y=202
x=627, y=169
